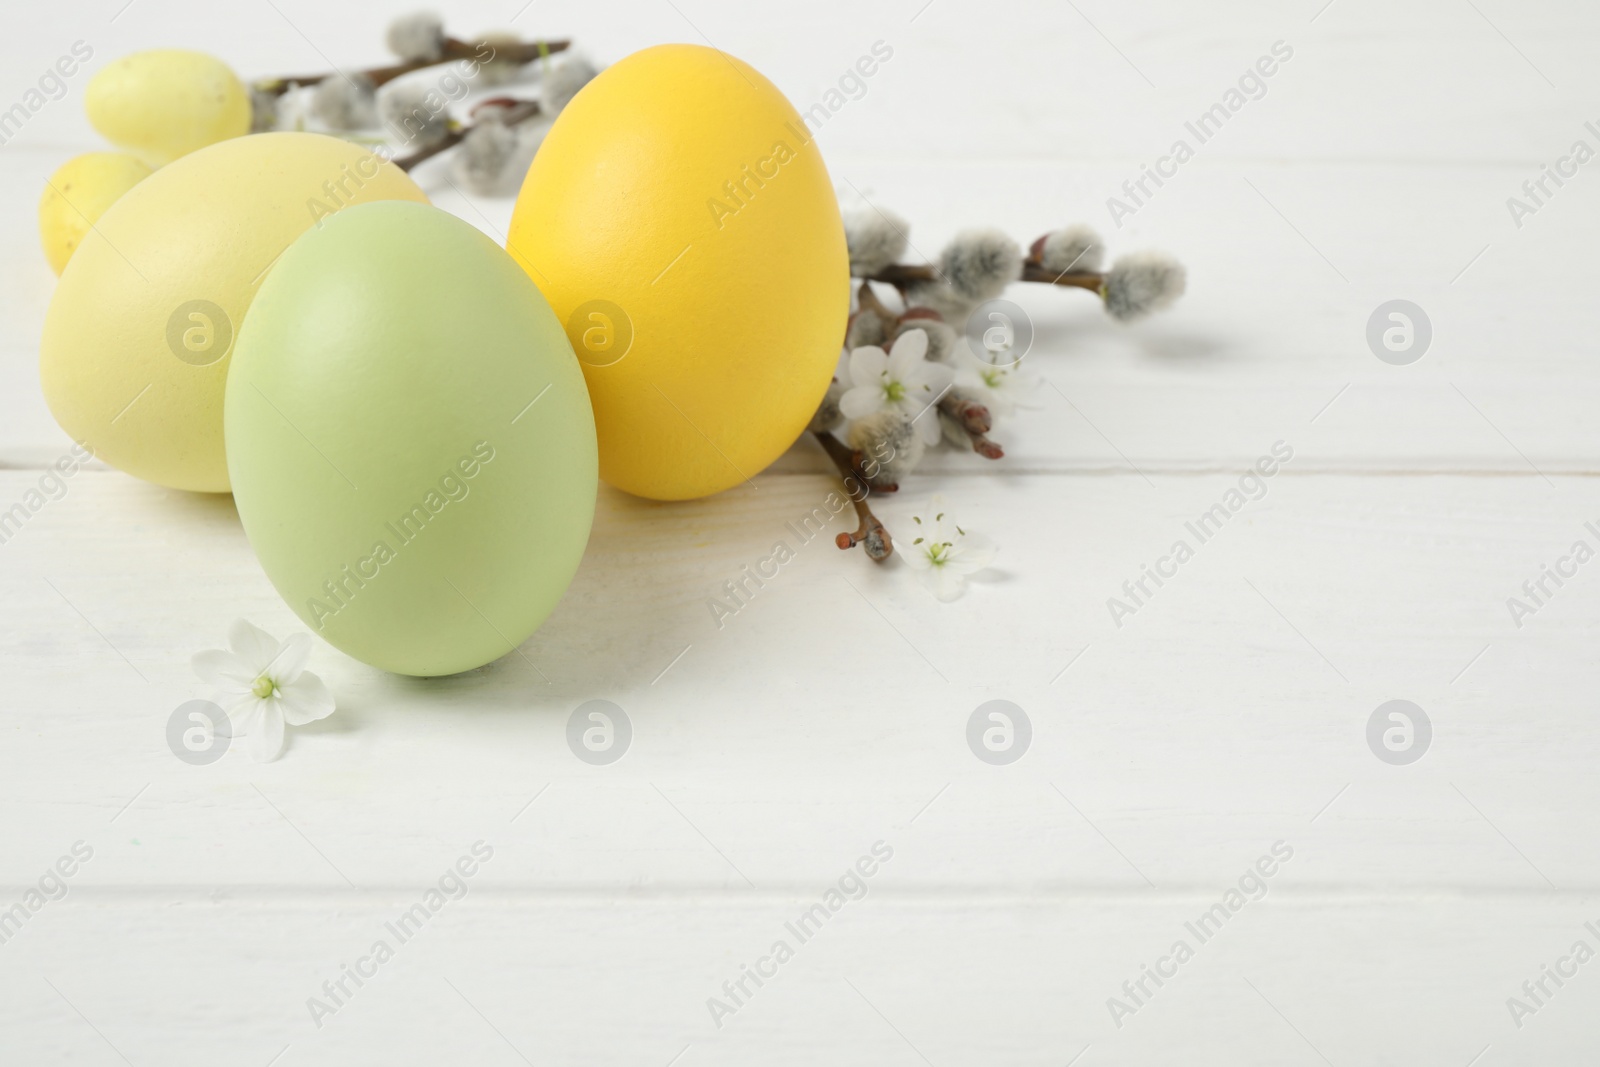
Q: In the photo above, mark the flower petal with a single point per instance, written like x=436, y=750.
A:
x=267, y=742
x=867, y=365
x=307, y=700
x=946, y=583
x=972, y=553
x=916, y=556
x=937, y=521
x=223, y=669
x=936, y=377
x=861, y=401
x=926, y=425
x=244, y=716
x=253, y=645
x=909, y=350
x=291, y=659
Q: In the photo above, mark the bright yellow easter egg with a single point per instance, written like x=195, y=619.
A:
x=166, y=103
x=77, y=194
x=134, y=354
x=679, y=219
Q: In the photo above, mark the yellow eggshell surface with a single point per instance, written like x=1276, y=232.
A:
x=680, y=221
x=167, y=102
x=134, y=355
x=77, y=194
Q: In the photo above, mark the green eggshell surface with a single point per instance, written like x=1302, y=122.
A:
x=409, y=440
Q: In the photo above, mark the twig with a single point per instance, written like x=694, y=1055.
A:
x=871, y=535
x=454, y=49
x=904, y=275
x=974, y=419
x=456, y=135
x=516, y=111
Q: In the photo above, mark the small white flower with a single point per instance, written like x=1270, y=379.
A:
x=263, y=684
x=943, y=553
x=999, y=384
x=898, y=380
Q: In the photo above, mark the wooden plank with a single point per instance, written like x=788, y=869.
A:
x=1233, y=701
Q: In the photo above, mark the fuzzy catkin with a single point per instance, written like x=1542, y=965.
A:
x=1076, y=248
x=876, y=239
x=418, y=36
x=942, y=339
x=889, y=446
x=344, y=102
x=410, y=118
x=1142, y=282
x=562, y=82
x=828, y=416
x=979, y=264
x=487, y=153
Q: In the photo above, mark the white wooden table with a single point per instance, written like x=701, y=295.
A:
x=1167, y=754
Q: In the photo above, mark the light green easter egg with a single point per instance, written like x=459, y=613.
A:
x=409, y=440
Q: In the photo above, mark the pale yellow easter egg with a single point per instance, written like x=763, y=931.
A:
x=134, y=355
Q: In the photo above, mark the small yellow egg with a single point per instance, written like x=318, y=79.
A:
x=77, y=194
x=166, y=103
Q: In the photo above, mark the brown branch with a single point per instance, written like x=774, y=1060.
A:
x=984, y=447
x=456, y=135
x=904, y=275
x=516, y=111
x=971, y=415
x=868, y=300
x=871, y=535
x=974, y=419
x=1078, y=279
x=377, y=75
x=524, y=52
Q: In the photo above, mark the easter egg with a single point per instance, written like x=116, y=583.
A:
x=167, y=102
x=680, y=220
x=134, y=353
x=410, y=440
x=77, y=194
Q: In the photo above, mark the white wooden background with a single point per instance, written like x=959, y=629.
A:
x=830, y=714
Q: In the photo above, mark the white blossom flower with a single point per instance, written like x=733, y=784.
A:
x=898, y=380
x=944, y=553
x=997, y=383
x=263, y=684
